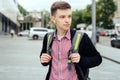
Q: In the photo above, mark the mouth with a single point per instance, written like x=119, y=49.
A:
x=67, y=25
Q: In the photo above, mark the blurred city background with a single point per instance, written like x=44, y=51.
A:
x=19, y=54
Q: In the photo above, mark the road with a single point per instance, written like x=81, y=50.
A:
x=19, y=60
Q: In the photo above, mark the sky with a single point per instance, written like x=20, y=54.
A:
x=31, y=5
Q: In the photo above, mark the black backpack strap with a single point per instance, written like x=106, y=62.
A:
x=75, y=45
x=75, y=48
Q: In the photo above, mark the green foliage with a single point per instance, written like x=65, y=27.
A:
x=75, y=17
x=107, y=9
x=88, y=15
x=78, y=17
x=82, y=16
x=22, y=10
x=98, y=13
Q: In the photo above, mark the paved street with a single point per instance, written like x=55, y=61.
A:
x=19, y=60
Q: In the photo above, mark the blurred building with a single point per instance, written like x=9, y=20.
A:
x=32, y=19
x=117, y=13
x=8, y=16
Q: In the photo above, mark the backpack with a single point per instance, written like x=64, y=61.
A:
x=75, y=42
x=74, y=49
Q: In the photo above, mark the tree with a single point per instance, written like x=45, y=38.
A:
x=80, y=16
x=107, y=9
x=87, y=16
x=22, y=10
x=98, y=13
x=76, y=18
x=104, y=14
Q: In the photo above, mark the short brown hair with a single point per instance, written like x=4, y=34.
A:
x=59, y=5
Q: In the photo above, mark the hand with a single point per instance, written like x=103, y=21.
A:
x=45, y=58
x=75, y=57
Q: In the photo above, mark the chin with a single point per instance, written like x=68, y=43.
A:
x=66, y=29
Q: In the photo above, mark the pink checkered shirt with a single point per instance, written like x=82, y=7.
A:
x=59, y=69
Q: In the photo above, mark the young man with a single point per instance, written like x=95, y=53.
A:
x=87, y=56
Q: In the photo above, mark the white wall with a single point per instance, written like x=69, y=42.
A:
x=9, y=9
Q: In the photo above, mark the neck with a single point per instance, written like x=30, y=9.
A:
x=60, y=33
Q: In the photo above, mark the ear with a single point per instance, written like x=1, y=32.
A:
x=53, y=19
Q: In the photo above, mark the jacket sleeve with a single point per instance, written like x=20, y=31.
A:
x=44, y=48
x=90, y=57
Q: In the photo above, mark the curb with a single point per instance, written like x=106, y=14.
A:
x=111, y=59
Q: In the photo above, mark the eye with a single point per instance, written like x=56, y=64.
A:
x=69, y=16
x=62, y=16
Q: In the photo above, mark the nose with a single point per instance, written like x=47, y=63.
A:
x=67, y=19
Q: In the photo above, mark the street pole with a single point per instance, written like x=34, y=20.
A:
x=43, y=17
x=94, y=22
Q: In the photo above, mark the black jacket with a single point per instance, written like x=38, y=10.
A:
x=90, y=57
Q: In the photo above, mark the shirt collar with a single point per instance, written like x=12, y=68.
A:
x=67, y=35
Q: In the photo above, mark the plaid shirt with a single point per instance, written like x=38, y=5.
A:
x=59, y=69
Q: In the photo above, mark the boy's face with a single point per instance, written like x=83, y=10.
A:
x=62, y=19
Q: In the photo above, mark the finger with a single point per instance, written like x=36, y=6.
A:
x=44, y=60
x=46, y=56
x=74, y=55
x=76, y=60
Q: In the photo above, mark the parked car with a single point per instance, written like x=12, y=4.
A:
x=103, y=33
x=115, y=41
x=89, y=33
x=38, y=32
x=23, y=33
x=110, y=32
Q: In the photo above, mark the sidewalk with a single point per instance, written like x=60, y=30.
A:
x=109, y=69
x=109, y=52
